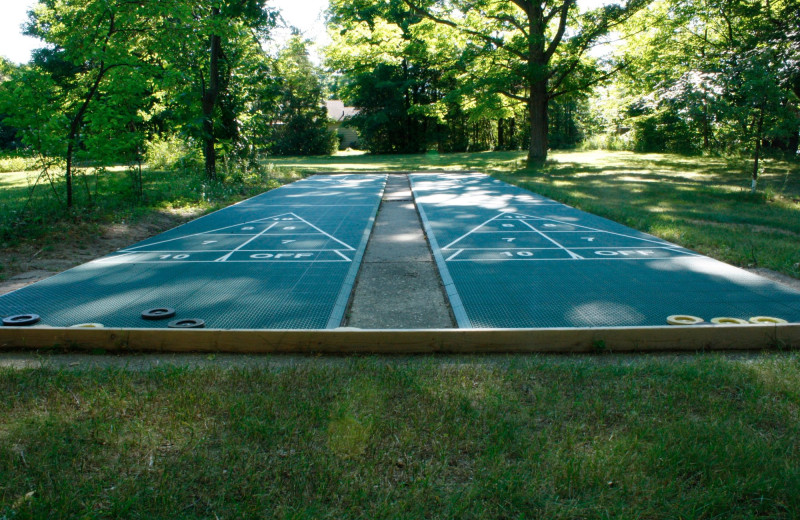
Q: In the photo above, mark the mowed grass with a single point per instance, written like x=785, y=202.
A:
x=703, y=203
x=699, y=436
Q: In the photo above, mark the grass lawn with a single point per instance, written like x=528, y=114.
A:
x=697, y=436
x=511, y=437
x=702, y=203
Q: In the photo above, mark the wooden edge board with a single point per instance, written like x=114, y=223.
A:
x=461, y=341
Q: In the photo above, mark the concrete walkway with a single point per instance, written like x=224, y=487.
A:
x=398, y=286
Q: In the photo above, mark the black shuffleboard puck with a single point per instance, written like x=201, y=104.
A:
x=21, y=320
x=187, y=324
x=159, y=313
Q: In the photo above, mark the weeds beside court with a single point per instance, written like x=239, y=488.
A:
x=36, y=219
x=674, y=436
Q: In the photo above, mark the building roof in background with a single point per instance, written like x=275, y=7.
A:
x=338, y=112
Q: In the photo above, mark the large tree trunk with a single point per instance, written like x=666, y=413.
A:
x=209, y=102
x=501, y=142
x=537, y=109
x=757, y=154
x=68, y=174
x=75, y=126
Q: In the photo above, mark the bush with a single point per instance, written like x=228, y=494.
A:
x=172, y=153
x=663, y=131
x=608, y=141
x=17, y=164
x=305, y=134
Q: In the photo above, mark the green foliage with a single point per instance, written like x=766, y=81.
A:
x=13, y=163
x=662, y=131
x=215, y=73
x=97, y=97
x=172, y=153
x=716, y=77
x=8, y=133
x=452, y=74
x=301, y=122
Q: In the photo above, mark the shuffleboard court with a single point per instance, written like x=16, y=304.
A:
x=512, y=259
x=286, y=259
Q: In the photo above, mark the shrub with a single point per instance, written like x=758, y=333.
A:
x=172, y=153
x=16, y=164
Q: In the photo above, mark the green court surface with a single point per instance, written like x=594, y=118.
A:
x=513, y=259
x=508, y=258
x=286, y=259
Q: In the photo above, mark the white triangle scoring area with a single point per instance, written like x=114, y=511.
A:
x=286, y=237
x=516, y=236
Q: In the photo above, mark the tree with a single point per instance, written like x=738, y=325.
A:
x=408, y=76
x=383, y=51
x=8, y=134
x=534, y=58
x=90, y=42
x=714, y=75
x=212, y=42
x=301, y=121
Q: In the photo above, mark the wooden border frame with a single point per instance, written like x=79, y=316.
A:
x=456, y=341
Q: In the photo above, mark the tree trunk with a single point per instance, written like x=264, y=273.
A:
x=793, y=144
x=68, y=174
x=759, y=129
x=209, y=102
x=501, y=145
x=537, y=111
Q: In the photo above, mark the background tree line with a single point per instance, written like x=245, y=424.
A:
x=687, y=76
x=118, y=81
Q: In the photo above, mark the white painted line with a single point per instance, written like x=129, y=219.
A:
x=687, y=253
x=599, y=259
x=575, y=256
x=111, y=259
x=254, y=261
x=471, y=231
x=453, y=255
x=224, y=258
x=212, y=232
x=324, y=233
x=340, y=254
x=515, y=248
x=661, y=242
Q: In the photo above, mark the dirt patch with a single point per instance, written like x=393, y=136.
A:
x=35, y=260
